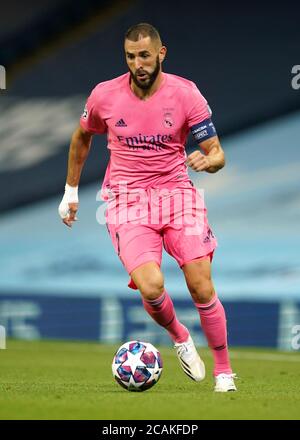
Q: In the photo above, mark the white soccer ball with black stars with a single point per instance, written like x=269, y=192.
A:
x=137, y=366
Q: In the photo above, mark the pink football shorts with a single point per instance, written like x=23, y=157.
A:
x=143, y=222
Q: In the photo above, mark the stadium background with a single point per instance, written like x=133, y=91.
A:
x=68, y=284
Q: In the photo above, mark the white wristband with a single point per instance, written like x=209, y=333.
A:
x=70, y=196
x=71, y=193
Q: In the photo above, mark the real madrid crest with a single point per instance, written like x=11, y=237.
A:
x=168, y=120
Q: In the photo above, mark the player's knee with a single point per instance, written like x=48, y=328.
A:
x=152, y=287
x=202, y=290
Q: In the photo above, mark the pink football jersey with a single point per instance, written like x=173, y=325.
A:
x=146, y=138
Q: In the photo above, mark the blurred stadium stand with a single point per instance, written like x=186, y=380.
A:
x=39, y=22
x=29, y=12
x=240, y=59
x=51, y=272
x=69, y=284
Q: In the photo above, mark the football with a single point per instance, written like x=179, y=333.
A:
x=137, y=366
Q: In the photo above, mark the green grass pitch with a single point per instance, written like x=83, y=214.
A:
x=71, y=380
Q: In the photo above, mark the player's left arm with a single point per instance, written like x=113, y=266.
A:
x=213, y=158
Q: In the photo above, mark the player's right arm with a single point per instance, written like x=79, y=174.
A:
x=91, y=123
x=78, y=152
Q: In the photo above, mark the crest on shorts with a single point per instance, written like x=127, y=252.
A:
x=168, y=120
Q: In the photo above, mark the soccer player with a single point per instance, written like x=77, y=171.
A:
x=147, y=115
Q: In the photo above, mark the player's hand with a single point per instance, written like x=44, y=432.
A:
x=198, y=161
x=69, y=205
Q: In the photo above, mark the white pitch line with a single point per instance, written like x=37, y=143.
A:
x=272, y=357
x=265, y=356
x=81, y=348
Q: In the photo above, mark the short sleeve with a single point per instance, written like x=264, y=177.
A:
x=196, y=107
x=91, y=119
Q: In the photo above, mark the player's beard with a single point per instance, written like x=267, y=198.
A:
x=147, y=84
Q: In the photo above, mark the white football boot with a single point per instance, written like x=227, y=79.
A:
x=224, y=383
x=190, y=361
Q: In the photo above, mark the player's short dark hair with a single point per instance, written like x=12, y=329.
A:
x=143, y=30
